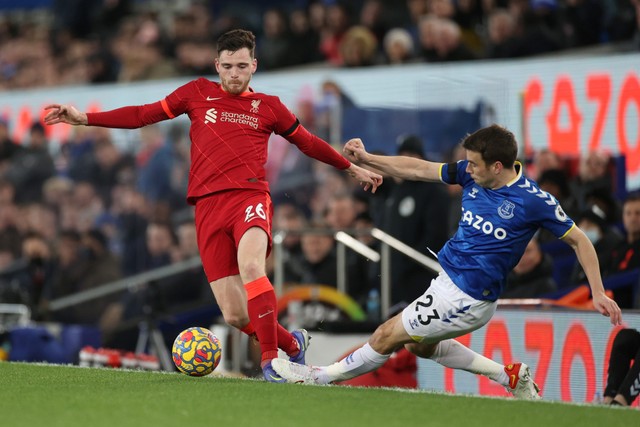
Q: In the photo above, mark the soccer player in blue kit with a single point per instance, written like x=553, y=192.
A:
x=501, y=211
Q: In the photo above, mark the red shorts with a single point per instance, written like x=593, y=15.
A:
x=221, y=221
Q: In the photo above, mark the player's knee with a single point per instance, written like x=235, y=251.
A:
x=422, y=350
x=236, y=320
x=251, y=270
x=382, y=339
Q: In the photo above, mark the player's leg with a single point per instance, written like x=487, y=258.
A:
x=261, y=298
x=452, y=354
x=384, y=341
x=219, y=260
x=221, y=221
x=232, y=301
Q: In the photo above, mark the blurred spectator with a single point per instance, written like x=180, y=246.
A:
x=362, y=274
x=358, y=47
x=341, y=211
x=606, y=201
x=84, y=262
x=623, y=372
x=305, y=41
x=337, y=22
x=636, y=37
x=583, y=24
x=455, y=192
x=289, y=218
x=593, y=173
x=416, y=9
x=31, y=167
x=414, y=212
x=131, y=213
x=502, y=27
x=372, y=17
x=538, y=25
x=544, y=160
x=7, y=193
x=626, y=256
x=85, y=208
x=104, y=166
x=556, y=183
x=620, y=19
x=8, y=147
x=448, y=43
x=57, y=192
x=398, y=46
x=189, y=287
x=39, y=219
x=153, y=164
x=320, y=262
x=35, y=269
x=605, y=239
x=428, y=30
x=274, y=45
x=532, y=276
x=161, y=243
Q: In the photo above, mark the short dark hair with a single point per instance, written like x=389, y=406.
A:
x=494, y=143
x=632, y=197
x=235, y=40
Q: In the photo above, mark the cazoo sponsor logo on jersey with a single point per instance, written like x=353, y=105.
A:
x=211, y=116
x=479, y=223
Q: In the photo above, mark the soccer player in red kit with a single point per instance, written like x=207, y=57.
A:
x=230, y=129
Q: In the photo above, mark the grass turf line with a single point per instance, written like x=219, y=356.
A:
x=50, y=395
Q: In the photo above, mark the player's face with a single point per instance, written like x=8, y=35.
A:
x=235, y=70
x=480, y=172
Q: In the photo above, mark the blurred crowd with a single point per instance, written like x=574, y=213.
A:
x=97, y=41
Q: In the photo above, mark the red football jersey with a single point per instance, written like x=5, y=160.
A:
x=229, y=134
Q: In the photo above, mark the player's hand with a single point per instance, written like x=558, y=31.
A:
x=608, y=307
x=354, y=151
x=64, y=114
x=366, y=178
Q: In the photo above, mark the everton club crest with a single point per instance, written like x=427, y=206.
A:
x=506, y=209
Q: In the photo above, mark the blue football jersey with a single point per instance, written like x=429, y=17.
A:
x=494, y=229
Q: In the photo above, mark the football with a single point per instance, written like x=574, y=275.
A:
x=196, y=352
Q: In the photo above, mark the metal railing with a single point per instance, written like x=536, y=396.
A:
x=344, y=241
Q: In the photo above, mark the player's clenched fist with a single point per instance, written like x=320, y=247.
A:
x=354, y=150
x=64, y=114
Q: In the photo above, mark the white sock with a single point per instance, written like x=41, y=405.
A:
x=363, y=360
x=452, y=354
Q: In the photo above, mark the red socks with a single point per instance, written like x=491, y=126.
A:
x=263, y=315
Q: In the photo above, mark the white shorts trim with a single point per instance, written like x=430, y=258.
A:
x=444, y=311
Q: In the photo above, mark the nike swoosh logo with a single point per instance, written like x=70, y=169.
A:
x=512, y=382
x=212, y=99
x=275, y=378
x=260, y=316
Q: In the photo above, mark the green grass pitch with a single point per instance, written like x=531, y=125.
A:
x=48, y=395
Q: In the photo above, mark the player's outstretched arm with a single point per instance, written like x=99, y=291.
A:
x=588, y=259
x=366, y=178
x=399, y=166
x=64, y=114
